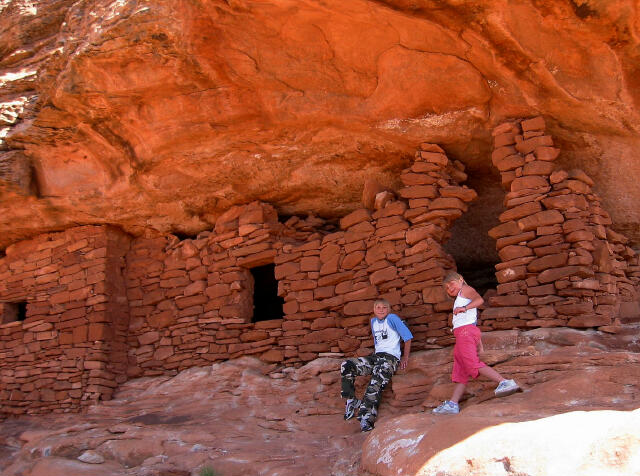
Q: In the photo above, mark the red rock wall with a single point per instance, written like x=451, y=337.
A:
x=562, y=263
x=71, y=348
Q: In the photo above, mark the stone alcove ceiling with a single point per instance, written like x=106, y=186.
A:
x=163, y=114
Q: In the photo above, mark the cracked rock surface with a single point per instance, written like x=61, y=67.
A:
x=162, y=114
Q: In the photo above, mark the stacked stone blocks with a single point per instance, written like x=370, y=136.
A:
x=191, y=300
x=103, y=307
x=562, y=264
x=70, y=349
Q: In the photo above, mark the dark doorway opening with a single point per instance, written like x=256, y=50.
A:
x=473, y=250
x=267, y=304
x=22, y=311
x=183, y=236
x=13, y=311
x=480, y=276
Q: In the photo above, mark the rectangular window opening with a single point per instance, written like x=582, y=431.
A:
x=13, y=311
x=267, y=305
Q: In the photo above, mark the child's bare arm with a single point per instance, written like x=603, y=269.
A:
x=470, y=293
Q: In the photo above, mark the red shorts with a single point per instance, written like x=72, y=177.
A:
x=465, y=354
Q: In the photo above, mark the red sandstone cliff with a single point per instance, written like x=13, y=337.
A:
x=163, y=114
x=171, y=116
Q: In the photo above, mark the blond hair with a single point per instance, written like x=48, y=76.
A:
x=452, y=276
x=382, y=301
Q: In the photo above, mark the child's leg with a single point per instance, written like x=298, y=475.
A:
x=490, y=373
x=465, y=359
x=383, y=369
x=458, y=391
x=350, y=369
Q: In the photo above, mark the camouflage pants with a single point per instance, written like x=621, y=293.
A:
x=381, y=367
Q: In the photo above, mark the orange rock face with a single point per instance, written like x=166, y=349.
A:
x=163, y=114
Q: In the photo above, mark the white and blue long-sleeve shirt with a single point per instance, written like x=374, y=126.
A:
x=394, y=329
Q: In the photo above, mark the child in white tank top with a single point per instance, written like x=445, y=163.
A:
x=466, y=363
x=469, y=315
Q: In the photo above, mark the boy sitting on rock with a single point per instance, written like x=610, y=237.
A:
x=387, y=330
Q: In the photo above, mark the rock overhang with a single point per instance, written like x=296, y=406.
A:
x=163, y=115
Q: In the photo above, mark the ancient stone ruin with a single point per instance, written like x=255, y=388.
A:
x=562, y=264
x=88, y=308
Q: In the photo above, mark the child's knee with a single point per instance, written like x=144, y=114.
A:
x=383, y=377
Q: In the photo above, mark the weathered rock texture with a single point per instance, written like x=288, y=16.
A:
x=162, y=114
x=247, y=417
x=128, y=125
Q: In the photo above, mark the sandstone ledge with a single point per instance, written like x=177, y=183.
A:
x=244, y=416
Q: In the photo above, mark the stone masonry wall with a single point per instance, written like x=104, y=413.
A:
x=394, y=252
x=102, y=307
x=70, y=349
x=562, y=264
x=191, y=301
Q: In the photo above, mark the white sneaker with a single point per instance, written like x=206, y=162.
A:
x=506, y=387
x=446, y=408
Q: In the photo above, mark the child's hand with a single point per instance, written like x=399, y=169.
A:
x=403, y=363
x=458, y=310
x=480, y=347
